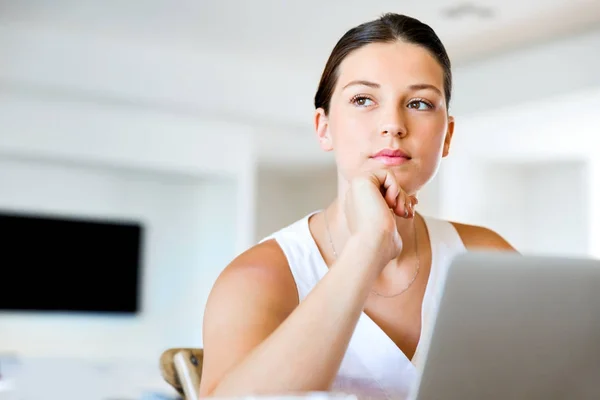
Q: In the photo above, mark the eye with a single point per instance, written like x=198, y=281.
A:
x=361, y=101
x=420, y=105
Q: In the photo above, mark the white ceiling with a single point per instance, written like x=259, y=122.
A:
x=302, y=32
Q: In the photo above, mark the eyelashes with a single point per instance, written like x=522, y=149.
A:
x=360, y=100
x=419, y=104
x=428, y=105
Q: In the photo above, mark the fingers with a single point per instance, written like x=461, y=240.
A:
x=389, y=187
x=392, y=191
x=405, y=206
x=411, y=202
x=401, y=203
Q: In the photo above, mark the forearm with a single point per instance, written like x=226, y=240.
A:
x=305, y=352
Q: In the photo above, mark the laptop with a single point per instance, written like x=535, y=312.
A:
x=514, y=327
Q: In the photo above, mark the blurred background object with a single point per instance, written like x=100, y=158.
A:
x=193, y=119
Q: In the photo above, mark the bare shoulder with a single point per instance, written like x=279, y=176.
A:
x=253, y=295
x=481, y=238
x=263, y=267
x=257, y=281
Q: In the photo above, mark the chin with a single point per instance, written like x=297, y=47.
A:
x=409, y=179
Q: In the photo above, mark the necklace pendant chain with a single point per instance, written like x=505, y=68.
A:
x=408, y=285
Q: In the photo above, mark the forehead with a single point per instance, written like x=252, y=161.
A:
x=397, y=63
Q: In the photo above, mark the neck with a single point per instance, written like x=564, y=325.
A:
x=339, y=226
x=402, y=266
x=338, y=229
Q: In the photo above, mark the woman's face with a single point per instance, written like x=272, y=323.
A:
x=388, y=97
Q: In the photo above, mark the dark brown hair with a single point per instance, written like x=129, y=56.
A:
x=388, y=28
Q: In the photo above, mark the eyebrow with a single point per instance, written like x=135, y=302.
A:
x=422, y=86
x=363, y=83
x=417, y=86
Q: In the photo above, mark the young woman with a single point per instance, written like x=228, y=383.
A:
x=340, y=299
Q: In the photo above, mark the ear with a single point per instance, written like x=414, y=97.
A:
x=322, y=128
x=448, y=138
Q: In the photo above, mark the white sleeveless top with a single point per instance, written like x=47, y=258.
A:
x=373, y=366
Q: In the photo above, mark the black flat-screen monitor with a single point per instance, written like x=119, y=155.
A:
x=51, y=263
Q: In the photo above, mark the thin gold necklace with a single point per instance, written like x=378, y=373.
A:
x=373, y=291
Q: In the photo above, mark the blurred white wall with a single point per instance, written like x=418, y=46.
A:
x=284, y=197
x=540, y=207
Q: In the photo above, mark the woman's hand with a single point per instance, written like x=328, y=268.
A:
x=370, y=205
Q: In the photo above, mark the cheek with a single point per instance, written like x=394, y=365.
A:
x=430, y=134
x=352, y=144
x=351, y=135
x=429, y=144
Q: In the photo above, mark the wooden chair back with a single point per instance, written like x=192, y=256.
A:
x=182, y=369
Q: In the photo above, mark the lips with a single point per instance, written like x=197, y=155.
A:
x=392, y=153
x=392, y=157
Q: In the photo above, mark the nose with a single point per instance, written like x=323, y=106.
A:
x=393, y=124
